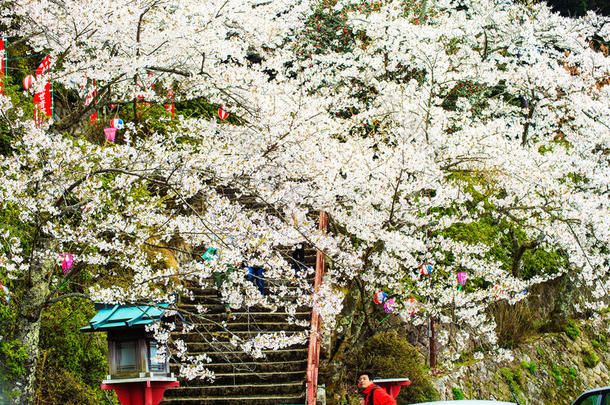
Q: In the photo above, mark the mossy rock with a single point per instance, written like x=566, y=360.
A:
x=388, y=355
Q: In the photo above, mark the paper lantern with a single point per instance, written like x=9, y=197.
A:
x=5, y=292
x=388, y=305
x=110, y=134
x=411, y=305
x=380, y=297
x=462, y=277
x=210, y=254
x=28, y=81
x=498, y=290
x=222, y=112
x=117, y=123
x=66, y=262
x=426, y=269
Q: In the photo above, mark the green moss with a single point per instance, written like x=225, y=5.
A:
x=571, y=329
x=556, y=373
x=531, y=367
x=514, y=378
x=572, y=372
x=590, y=359
x=457, y=393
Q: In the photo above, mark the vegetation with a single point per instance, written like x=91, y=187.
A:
x=457, y=393
x=389, y=355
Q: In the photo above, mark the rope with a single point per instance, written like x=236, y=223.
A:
x=26, y=57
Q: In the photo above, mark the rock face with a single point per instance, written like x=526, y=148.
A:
x=553, y=369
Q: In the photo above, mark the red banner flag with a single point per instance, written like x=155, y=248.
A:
x=44, y=101
x=3, y=59
x=44, y=67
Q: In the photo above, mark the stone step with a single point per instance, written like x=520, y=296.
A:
x=223, y=336
x=297, y=353
x=255, y=366
x=236, y=326
x=254, y=316
x=239, y=400
x=249, y=377
x=245, y=377
x=215, y=308
x=211, y=347
x=295, y=388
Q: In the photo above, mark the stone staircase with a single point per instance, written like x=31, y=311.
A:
x=279, y=378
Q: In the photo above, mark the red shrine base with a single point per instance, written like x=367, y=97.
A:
x=140, y=393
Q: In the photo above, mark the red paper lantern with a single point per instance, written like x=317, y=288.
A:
x=28, y=81
x=222, y=113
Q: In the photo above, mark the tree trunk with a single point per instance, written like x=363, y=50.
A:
x=28, y=323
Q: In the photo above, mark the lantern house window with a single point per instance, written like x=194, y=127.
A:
x=156, y=362
x=127, y=355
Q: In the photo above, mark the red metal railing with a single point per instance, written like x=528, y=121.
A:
x=313, y=357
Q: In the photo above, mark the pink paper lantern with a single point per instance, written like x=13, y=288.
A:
x=110, y=134
x=388, y=306
x=222, y=112
x=66, y=262
x=462, y=277
x=28, y=81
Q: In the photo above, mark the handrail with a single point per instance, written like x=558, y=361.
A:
x=313, y=356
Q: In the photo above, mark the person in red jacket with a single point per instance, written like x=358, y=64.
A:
x=373, y=393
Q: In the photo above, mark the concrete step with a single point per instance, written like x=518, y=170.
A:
x=238, y=400
x=297, y=353
x=249, y=377
x=215, y=308
x=222, y=336
x=295, y=388
x=236, y=326
x=253, y=316
x=255, y=366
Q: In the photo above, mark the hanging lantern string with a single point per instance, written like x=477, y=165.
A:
x=26, y=57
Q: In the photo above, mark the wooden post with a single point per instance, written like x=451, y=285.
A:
x=432, y=345
x=313, y=357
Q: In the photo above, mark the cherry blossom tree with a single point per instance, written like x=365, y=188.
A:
x=410, y=124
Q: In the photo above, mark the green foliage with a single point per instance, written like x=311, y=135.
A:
x=12, y=354
x=72, y=364
x=571, y=329
x=556, y=373
x=589, y=358
x=514, y=378
x=531, y=367
x=325, y=31
x=13, y=357
x=475, y=93
x=457, y=393
x=388, y=355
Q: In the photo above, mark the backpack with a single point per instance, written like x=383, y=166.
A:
x=369, y=400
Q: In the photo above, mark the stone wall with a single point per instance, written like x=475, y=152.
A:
x=552, y=369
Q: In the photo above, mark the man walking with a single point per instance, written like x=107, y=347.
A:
x=373, y=393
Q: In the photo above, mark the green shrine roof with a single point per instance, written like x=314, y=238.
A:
x=110, y=316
